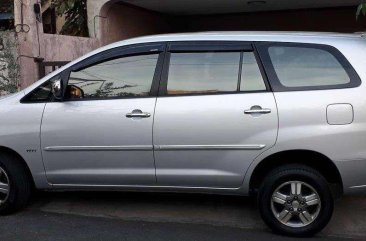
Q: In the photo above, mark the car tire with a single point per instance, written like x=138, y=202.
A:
x=295, y=200
x=15, y=184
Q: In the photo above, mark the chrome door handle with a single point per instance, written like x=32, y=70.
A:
x=257, y=110
x=142, y=115
x=262, y=111
x=138, y=114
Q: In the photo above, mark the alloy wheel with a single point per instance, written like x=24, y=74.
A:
x=4, y=186
x=295, y=204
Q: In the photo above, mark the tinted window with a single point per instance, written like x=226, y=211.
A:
x=199, y=73
x=306, y=67
x=123, y=77
x=251, y=77
x=42, y=93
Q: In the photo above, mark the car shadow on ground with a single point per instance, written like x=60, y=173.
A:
x=231, y=211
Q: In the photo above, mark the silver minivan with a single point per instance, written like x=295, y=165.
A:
x=278, y=115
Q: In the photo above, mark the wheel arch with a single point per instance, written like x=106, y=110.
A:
x=20, y=159
x=313, y=159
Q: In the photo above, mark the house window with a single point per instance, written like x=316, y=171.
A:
x=49, y=21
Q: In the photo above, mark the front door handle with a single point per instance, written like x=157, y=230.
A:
x=257, y=110
x=138, y=114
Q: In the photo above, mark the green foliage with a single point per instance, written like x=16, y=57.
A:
x=75, y=15
x=361, y=10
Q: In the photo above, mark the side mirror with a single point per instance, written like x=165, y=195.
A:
x=57, y=89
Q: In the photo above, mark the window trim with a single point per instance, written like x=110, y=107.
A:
x=114, y=53
x=153, y=89
x=120, y=52
x=276, y=84
x=210, y=46
x=262, y=71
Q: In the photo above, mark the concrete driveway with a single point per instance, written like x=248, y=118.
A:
x=77, y=215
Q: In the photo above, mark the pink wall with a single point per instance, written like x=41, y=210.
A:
x=28, y=42
x=55, y=48
x=66, y=48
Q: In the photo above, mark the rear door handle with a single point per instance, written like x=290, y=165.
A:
x=138, y=114
x=257, y=110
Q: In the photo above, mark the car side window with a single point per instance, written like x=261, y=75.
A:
x=306, y=67
x=203, y=73
x=251, y=76
x=130, y=76
x=43, y=93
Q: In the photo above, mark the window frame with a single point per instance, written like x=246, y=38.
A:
x=277, y=86
x=25, y=100
x=110, y=54
x=207, y=47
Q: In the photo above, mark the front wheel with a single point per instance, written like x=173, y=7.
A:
x=15, y=184
x=295, y=200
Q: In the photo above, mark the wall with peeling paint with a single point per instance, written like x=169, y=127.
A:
x=9, y=67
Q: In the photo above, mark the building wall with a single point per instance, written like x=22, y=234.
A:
x=62, y=47
x=36, y=44
x=325, y=20
x=66, y=48
x=125, y=21
x=117, y=21
x=47, y=17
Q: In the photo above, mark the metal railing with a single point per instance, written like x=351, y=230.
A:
x=46, y=67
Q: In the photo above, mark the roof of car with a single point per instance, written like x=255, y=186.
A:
x=259, y=33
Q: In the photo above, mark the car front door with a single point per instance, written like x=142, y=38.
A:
x=214, y=115
x=101, y=133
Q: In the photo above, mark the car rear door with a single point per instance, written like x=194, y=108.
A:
x=101, y=133
x=214, y=115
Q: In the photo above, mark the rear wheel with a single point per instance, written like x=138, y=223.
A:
x=295, y=200
x=15, y=184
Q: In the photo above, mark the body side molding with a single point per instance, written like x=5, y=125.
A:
x=156, y=147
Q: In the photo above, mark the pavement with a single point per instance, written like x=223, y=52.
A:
x=161, y=216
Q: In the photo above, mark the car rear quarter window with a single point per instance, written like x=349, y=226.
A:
x=292, y=66
x=302, y=67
